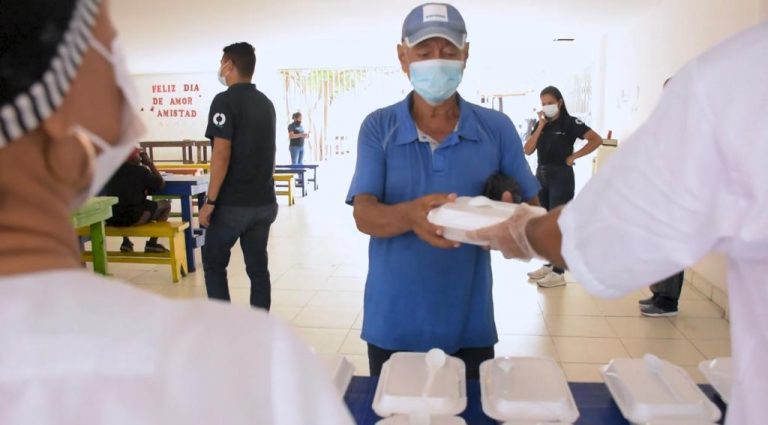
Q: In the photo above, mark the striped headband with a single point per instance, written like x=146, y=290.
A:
x=42, y=44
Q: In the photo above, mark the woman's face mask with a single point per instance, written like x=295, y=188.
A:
x=436, y=80
x=112, y=156
x=550, y=110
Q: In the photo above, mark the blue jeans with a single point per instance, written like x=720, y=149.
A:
x=557, y=188
x=297, y=155
x=250, y=225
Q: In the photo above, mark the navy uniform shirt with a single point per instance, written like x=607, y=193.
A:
x=557, y=139
x=246, y=117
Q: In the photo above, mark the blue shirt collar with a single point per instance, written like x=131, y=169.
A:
x=406, y=129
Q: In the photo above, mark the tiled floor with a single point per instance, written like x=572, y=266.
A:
x=318, y=262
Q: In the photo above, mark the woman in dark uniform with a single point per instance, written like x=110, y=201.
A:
x=553, y=138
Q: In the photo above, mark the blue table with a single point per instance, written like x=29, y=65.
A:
x=185, y=187
x=596, y=406
x=305, y=167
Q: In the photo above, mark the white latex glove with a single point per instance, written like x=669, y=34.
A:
x=509, y=236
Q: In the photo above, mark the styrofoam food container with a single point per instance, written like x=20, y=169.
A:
x=467, y=214
x=646, y=396
x=433, y=420
x=402, y=381
x=341, y=371
x=719, y=373
x=533, y=389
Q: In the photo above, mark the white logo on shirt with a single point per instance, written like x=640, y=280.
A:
x=219, y=119
x=435, y=12
x=578, y=121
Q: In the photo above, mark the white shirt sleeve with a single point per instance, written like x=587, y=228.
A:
x=659, y=204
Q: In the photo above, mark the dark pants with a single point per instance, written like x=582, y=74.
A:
x=251, y=226
x=666, y=292
x=297, y=155
x=153, y=211
x=557, y=188
x=472, y=358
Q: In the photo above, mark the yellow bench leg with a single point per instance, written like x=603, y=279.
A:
x=178, y=256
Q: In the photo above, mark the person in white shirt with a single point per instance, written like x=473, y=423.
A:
x=81, y=349
x=691, y=180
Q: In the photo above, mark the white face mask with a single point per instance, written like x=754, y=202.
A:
x=436, y=80
x=222, y=80
x=550, y=110
x=112, y=156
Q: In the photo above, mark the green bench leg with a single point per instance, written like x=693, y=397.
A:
x=98, y=245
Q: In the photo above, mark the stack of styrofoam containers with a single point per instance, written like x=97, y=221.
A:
x=407, y=394
x=650, y=390
x=526, y=390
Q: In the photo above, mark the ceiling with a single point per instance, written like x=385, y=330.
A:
x=187, y=35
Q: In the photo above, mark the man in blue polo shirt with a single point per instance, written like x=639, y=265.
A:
x=424, y=291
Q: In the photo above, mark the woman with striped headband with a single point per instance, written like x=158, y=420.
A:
x=81, y=349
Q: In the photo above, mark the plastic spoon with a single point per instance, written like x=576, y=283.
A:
x=435, y=359
x=656, y=366
x=505, y=365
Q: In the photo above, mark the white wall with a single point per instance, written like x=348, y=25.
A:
x=511, y=42
x=640, y=56
x=187, y=35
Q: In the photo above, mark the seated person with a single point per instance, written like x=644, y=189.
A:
x=131, y=184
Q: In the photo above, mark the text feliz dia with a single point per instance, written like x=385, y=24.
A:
x=174, y=88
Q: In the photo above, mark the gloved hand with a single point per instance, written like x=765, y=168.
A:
x=509, y=236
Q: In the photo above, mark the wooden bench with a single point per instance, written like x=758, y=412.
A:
x=173, y=230
x=170, y=167
x=184, y=171
x=298, y=182
x=305, y=167
x=284, y=186
x=185, y=145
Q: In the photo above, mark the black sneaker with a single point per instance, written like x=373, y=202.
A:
x=647, y=301
x=155, y=248
x=126, y=247
x=656, y=311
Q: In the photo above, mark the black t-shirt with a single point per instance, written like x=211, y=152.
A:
x=557, y=139
x=296, y=128
x=131, y=184
x=246, y=117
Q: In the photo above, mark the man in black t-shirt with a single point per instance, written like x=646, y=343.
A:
x=296, y=135
x=241, y=195
x=131, y=184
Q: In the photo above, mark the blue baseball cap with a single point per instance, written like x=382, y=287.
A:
x=434, y=20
